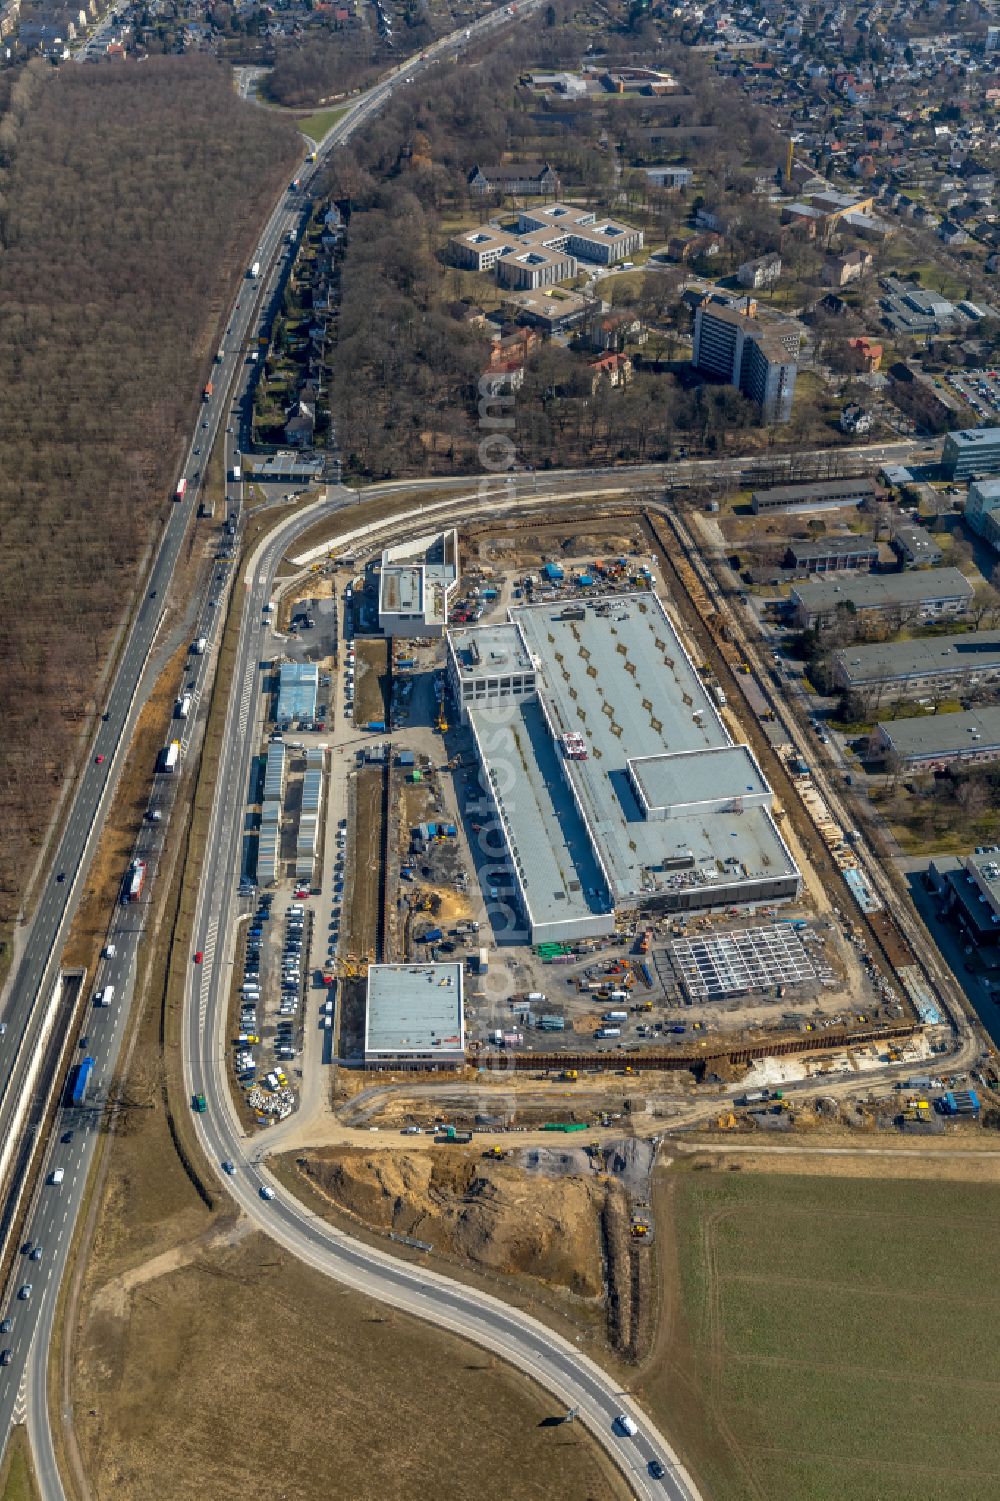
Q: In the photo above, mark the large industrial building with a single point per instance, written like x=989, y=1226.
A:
x=415, y=583
x=414, y=1017
x=932, y=594
x=905, y=669
x=613, y=780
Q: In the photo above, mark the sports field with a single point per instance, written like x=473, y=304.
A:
x=830, y=1337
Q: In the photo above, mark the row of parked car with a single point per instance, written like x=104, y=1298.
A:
x=284, y=1042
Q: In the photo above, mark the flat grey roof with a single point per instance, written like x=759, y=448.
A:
x=621, y=679
x=974, y=437
x=836, y=546
x=414, y=1008
x=559, y=872
x=402, y=589
x=973, y=730
x=486, y=650
x=925, y=657
x=818, y=490
x=698, y=776
x=874, y=590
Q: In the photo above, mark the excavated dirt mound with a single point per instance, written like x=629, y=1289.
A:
x=487, y=1212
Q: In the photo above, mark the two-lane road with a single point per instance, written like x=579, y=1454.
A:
x=553, y=1361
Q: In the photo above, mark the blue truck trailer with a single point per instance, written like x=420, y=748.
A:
x=79, y=1081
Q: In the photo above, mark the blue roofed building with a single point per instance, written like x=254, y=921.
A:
x=298, y=689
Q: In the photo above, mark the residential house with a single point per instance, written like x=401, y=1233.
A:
x=760, y=273
x=300, y=428
x=866, y=354
x=612, y=331
x=616, y=369
x=842, y=270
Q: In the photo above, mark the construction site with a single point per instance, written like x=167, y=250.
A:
x=655, y=885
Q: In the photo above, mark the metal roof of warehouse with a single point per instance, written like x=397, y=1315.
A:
x=561, y=876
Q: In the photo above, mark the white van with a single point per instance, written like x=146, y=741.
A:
x=57, y=1175
x=109, y=951
x=627, y=1425
x=104, y=997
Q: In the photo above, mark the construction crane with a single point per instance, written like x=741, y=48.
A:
x=441, y=723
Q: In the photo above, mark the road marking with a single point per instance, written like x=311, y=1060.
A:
x=20, y=1412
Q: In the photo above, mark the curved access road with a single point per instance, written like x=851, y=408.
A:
x=556, y=1363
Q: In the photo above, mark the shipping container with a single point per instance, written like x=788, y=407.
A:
x=608, y=1032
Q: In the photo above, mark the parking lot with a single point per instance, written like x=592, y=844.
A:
x=271, y=1010
x=981, y=389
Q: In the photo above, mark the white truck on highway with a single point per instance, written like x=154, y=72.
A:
x=254, y=271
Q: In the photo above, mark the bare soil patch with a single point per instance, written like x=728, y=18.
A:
x=488, y=1213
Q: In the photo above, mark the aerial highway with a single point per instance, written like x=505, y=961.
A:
x=54, y=1211
x=39, y=943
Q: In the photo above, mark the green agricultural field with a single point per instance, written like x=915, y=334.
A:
x=830, y=1337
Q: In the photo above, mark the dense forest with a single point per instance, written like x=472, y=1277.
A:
x=129, y=199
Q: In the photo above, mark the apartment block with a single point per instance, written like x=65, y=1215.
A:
x=761, y=360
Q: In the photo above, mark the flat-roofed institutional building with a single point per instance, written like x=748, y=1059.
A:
x=416, y=580
x=612, y=779
x=414, y=1016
